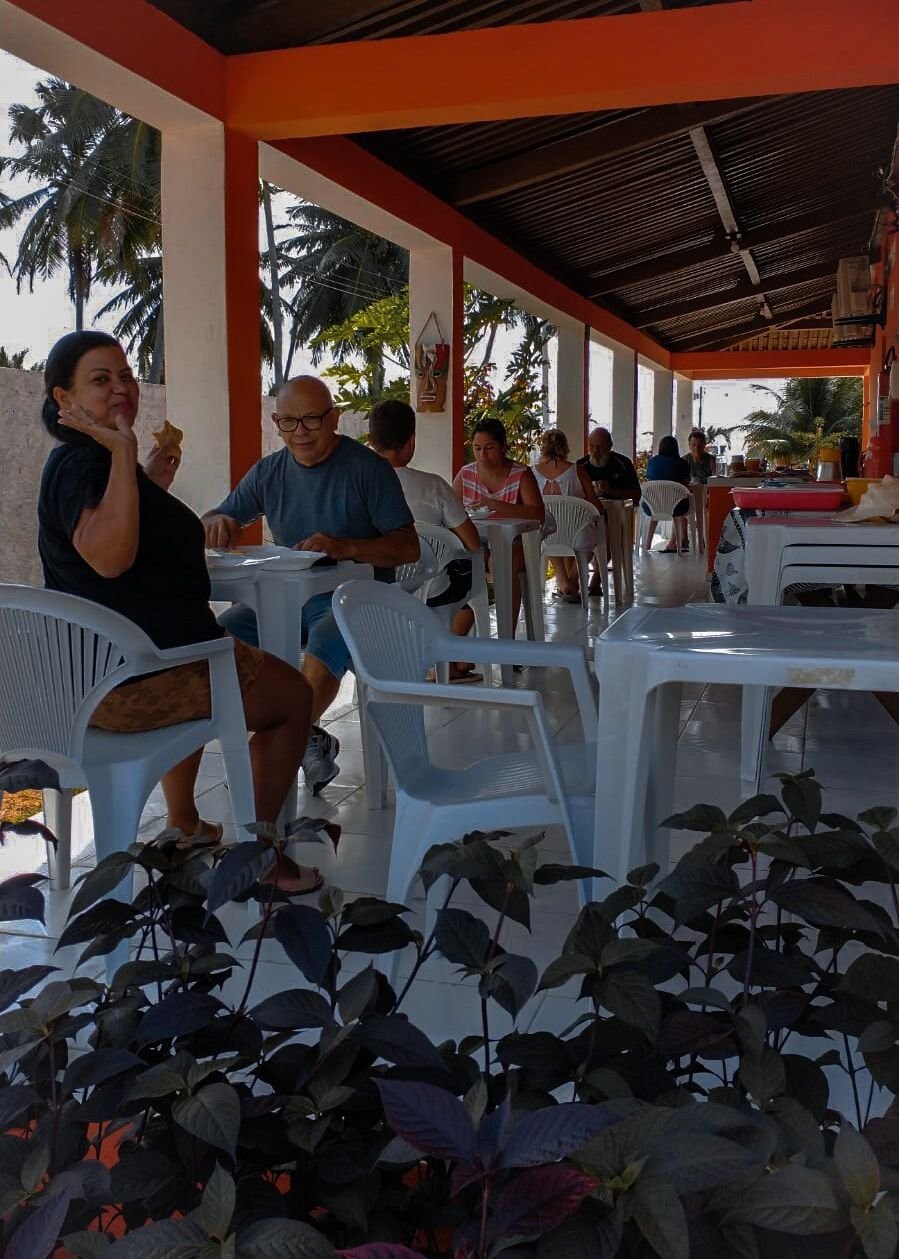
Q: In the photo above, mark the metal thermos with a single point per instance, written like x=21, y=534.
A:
x=828, y=470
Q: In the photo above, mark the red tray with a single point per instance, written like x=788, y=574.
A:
x=798, y=499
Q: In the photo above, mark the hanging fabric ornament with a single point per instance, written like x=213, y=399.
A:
x=432, y=357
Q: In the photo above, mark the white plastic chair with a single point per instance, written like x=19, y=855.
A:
x=393, y=640
x=413, y=577
x=59, y=656
x=661, y=497
x=648, y=654
x=572, y=516
x=447, y=547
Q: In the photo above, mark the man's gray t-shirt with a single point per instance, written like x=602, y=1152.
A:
x=354, y=493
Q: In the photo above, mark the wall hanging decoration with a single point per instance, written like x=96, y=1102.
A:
x=432, y=356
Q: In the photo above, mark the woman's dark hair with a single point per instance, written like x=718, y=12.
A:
x=59, y=373
x=668, y=446
x=493, y=428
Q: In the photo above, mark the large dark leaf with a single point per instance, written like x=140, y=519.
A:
x=212, y=1114
x=660, y=1217
x=100, y=920
x=632, y=997
x=696, y=888
x=702, y=817
x=283, y=1239
x=240, y=868
x=857, y=1165
x=792, y=1199
x=429, y=1118
x=358, y=995
x=14, y=1099
x=104, y=877
x=15, y=983
x=393, y=1038
x=824, y=904
x=462, y=938
x=166, y=1239
x=689, y=1031
x=380, y=1250
x=872, y=977
x=550, y=873
x=510, y=981
x=37, y=1235
x=26, y=775
x=538, y=1200
x=877, y=1229
x=20, y=902
x=217, y=1204
x=764, y=1075
x=802, y=796
x=178, y=1014
x=96, y=1066
x=691, y=1161
x=297, y=1008
x=544, y=1136
x=304, y=936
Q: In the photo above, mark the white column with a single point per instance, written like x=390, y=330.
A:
x=683, y=410
x=194, y=283
x=662, y=404
x=621, y=421
x=434, y=287
x=571, y=407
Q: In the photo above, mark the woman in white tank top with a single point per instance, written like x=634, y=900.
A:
x=556, y=474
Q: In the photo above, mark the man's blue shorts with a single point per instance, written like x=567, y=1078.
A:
x=320, y=636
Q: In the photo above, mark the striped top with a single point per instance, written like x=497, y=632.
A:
x=474, y=489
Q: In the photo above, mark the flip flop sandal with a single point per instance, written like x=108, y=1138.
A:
x=463, y=679
x=207, y=835
x=284, y=881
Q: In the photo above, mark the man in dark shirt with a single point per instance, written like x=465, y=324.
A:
x=613, y=476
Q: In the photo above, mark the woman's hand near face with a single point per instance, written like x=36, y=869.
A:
x=117, y=437
x=162, y=463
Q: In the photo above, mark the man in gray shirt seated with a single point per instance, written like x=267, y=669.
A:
x=322, y=492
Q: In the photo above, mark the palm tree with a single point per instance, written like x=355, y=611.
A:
x=97, y=193
x=336, y=269
x=806, y=412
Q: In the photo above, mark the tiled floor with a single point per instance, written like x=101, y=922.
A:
x=849, y=741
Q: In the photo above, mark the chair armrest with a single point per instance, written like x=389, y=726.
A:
x=450, y=696
x=168, y=657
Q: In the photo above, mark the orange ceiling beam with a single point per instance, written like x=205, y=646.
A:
x=759, y=364
x=717, y=52
x=142, y=39
x=353, y=168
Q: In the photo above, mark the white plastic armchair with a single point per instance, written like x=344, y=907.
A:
x=416, y=577
x=393, y=639
x=661, y=497
x=59, y=656
x=573, y=517
x=447, y=547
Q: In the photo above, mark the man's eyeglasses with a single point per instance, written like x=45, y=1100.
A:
x=290, y=423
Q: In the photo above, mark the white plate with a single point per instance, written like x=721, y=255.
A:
x=230, y=559
x=282, y=556
x=479, y=513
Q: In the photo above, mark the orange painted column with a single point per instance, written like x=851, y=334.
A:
x=242, y=307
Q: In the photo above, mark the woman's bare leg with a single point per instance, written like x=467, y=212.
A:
x=277, y=708
x=178, y=787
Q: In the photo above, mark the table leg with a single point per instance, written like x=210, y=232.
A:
x=501, y=557
x=533, y=563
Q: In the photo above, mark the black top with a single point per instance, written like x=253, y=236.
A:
x=166, y=590
x=619, y=473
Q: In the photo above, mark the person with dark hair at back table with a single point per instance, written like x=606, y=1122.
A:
x=613, y=476
x=668, y=465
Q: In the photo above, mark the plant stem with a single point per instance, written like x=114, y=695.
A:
x=485, y=1031
x=425, y=951
x=754, y=911
x=266, y=915
x=850, y=1067
x=485, y=1198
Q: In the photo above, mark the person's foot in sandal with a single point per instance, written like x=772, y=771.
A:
x=464, y=673
x=291, y=878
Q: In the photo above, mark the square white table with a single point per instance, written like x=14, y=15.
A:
x=278, y=595
x=766, y=537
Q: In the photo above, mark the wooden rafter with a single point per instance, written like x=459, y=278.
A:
x=715, y=179
x=740, y=292
x=599, y=144
x=728, y=334
x=682, y=259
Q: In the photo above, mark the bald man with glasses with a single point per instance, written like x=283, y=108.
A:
x=321, y=492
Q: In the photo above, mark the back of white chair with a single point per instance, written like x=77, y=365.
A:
x=661, y=497
x=573, y=517
x=59, y=656
x=389, y=637
x=415, y=578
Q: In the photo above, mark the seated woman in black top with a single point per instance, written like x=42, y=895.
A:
x=110, y=532
x=668, y=465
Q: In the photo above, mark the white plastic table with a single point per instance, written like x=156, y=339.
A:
x=766, y=537
x=500, y=534
x=620, y=530
x=278, y=595
x=644, y=658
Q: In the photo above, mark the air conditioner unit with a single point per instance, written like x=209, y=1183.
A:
x=846, y=335
x=853, y=288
